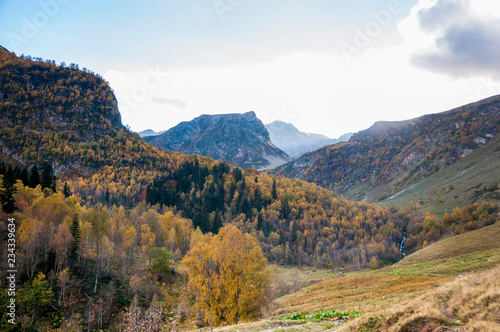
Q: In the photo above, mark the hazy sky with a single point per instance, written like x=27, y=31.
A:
x=327, y=66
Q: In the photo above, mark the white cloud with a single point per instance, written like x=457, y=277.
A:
x=317, y=92
x=460, y=38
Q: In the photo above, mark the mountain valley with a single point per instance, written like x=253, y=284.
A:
x=394, y=228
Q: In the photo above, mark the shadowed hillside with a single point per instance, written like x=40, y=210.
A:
x=390, y=158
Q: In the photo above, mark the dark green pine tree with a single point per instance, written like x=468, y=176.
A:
x=260, y=221
x=24, y=176
x=241, y=194
x=217, y=223
x=3, y=167
x=285, y=209
x=232, y=191
x=66, y=190
x=238, y=176
x=7, y=191
x=48, y=180
x=17, y=172
x=245, y=207
x=75, y=243
x=274, y=192
x=257, y=201
x=34, y=177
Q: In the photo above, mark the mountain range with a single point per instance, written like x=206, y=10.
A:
x=241, y=139
x=390, y=159
x=69, y=119
x=126, y=216
x=295, y=143
x=150, y=132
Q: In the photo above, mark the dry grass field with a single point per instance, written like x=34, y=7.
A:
x=452, y=285
x=470, y=303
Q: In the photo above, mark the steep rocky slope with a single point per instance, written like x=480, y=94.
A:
x=240, y=139
x=399, y=153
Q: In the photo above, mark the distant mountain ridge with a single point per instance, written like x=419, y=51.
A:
x=150, y=132
x=295, y=142
x=241, y=139
x=390, y=157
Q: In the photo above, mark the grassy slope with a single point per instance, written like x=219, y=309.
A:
x=470, y=303
x=479, y=169
x=448, y=267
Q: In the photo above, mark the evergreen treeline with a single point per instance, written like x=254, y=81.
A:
x=31, y=177
x=204, y=186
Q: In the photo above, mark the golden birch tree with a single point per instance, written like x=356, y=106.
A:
x=228, y=275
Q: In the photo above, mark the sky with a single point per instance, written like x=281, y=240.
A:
x=327, y=66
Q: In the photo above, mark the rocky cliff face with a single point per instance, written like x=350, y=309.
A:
x=240, y=139
x=295, y=142
x=403, y=152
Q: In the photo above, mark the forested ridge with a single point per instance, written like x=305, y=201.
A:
x=113, y=233
x=403, y=152
x=68, y=117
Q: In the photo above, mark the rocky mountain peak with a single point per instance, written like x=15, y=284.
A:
x=241, y=139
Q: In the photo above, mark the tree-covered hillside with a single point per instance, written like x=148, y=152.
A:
x=67, y=117
x=396, y=155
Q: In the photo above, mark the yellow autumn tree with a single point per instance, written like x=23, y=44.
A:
x=228, y=275
x=147, y=238
x=60, y=243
